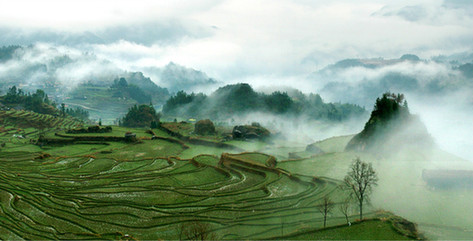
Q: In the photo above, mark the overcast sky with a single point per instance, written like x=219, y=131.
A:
x=244, y=39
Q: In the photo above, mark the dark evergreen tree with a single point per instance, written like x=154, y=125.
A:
x=63, y=110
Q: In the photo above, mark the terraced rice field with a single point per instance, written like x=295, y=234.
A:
x=26, y=119
x=155, y=189
x=82, y=197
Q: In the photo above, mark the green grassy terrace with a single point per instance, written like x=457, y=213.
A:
x=152, y=188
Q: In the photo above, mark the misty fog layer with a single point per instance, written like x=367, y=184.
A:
x=48, y=65
x=302, y=130
x=437, y=89
x=438, y=92
x=448, y=121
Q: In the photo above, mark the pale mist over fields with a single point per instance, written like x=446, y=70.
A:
x=202, y=45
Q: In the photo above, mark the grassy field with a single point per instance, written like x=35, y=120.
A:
x=367, y=230
x=154, y=189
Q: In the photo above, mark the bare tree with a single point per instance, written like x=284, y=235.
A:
x=360, y=180
x=325, y=208
x=344, y=208
x=196, y=231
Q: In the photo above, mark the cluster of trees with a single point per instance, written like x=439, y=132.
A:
x=37, y=102
x=241, y=98
x=121, y=88
x=78, y=113
x=389, y=106
x=183, y=104
x=141, y=116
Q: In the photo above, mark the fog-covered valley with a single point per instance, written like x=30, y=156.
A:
x=438, y=88
x=236, y=120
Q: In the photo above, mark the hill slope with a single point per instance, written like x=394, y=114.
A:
x=28, y=119
x=391, y=127
x=240, y=99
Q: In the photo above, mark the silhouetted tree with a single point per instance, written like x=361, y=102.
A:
x=344, y=208
x=325, y=208
x=360, y=180
x=63, y=110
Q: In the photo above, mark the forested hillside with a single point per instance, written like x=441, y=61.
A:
x=238, y=99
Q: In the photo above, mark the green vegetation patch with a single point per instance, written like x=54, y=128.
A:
x=366, y=230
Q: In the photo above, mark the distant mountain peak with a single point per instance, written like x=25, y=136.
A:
x=411, y=57
x=372, y=62
x=177, y=77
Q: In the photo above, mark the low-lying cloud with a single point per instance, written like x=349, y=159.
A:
x=233, y=40
x=436, y=91
x=46, y=65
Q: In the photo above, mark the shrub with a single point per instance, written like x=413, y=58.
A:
x=140, y=116
x=204, y=127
